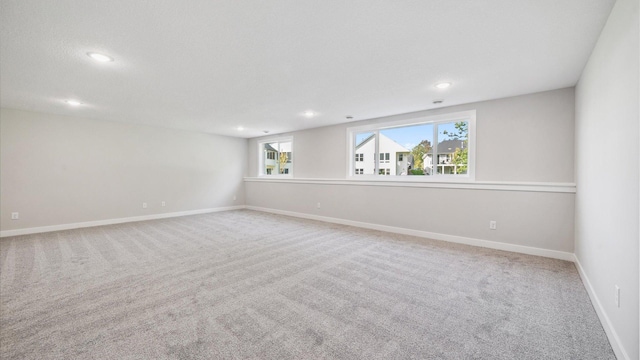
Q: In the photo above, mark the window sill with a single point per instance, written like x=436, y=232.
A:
x=459, y=184
x=283, y=176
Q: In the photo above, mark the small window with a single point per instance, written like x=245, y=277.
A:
x=276, y=157
x=434, y=147
x=359, y=171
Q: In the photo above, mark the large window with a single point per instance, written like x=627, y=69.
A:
x=437, y=147
x=276, y=157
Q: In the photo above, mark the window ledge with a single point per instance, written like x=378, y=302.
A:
x=470, y=185
x=267, y=177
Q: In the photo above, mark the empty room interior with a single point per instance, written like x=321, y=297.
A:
x=319, y=179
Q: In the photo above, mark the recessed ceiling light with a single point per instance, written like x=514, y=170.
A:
x=240, y=128
x=349, y=117
x=443, y=85
x=74, y=102
x=309, y=113
x=438, y=101
x=99, y=57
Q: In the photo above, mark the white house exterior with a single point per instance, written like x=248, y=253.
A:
x=445, y=164
x=393, y=157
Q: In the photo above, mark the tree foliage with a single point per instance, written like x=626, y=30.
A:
x=282, y=161
x=460, y=156
x=460, y=132
x=418, y=153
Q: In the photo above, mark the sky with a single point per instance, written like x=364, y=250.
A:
x=410, y=136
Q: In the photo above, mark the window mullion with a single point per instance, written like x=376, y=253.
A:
x=376, y=156
x=434, y=148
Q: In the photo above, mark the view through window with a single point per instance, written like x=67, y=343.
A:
x=430, y=148
x=276, y=157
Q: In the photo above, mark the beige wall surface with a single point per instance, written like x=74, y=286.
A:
x=524, y=138
x=60, y=170
x=520, y=139
x=607, y=173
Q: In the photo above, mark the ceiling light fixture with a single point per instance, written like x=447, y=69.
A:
x=74, y=102
x=99, y=57
x=309, y=113
x=438, y=101
x=240, y=128
x=443, y=85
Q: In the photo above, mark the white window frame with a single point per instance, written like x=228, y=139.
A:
x=261, y=165
x=468, y=116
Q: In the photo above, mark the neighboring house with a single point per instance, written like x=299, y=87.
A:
x=446, y=149
x=271, y=160
x=393, y=157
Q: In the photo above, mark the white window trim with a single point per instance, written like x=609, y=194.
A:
x=469, y=116
x=279, y=139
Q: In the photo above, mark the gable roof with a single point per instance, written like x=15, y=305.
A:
x=365, y=140
x=449, y=146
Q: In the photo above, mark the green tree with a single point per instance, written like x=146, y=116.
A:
x=460, y=132
x=460, y=156
x=419, y=151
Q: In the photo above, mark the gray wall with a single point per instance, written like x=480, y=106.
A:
x=520, y=139
x=525, y=138
x=607, y=177
x=60, y=170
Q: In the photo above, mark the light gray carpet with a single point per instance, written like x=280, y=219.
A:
x=245, y=284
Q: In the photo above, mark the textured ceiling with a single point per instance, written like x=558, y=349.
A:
x=212, y=66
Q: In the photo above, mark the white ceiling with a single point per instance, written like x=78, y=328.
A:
x=212, y=66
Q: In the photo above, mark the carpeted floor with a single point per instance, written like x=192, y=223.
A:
x=251, y=285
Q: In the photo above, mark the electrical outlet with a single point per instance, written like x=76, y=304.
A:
x=164, y=203
x=144, y=205
x=15, y=216
x=493, y=225
x=318, y=206
x=617, y=296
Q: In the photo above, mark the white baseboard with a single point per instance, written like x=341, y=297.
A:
x=430, y=235
x=614, y=340
x=41, y=229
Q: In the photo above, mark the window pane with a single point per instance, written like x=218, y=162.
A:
x=270, y=152
x=284, y=158
x=365, y=150
x=453, y=148
x=403, y=150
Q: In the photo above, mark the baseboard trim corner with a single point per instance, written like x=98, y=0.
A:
x=614, y=340
x=554, y=254
x=42, y=229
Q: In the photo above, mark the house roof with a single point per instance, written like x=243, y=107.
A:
x=269, y=148
x=365, y=140
x=449, y=146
